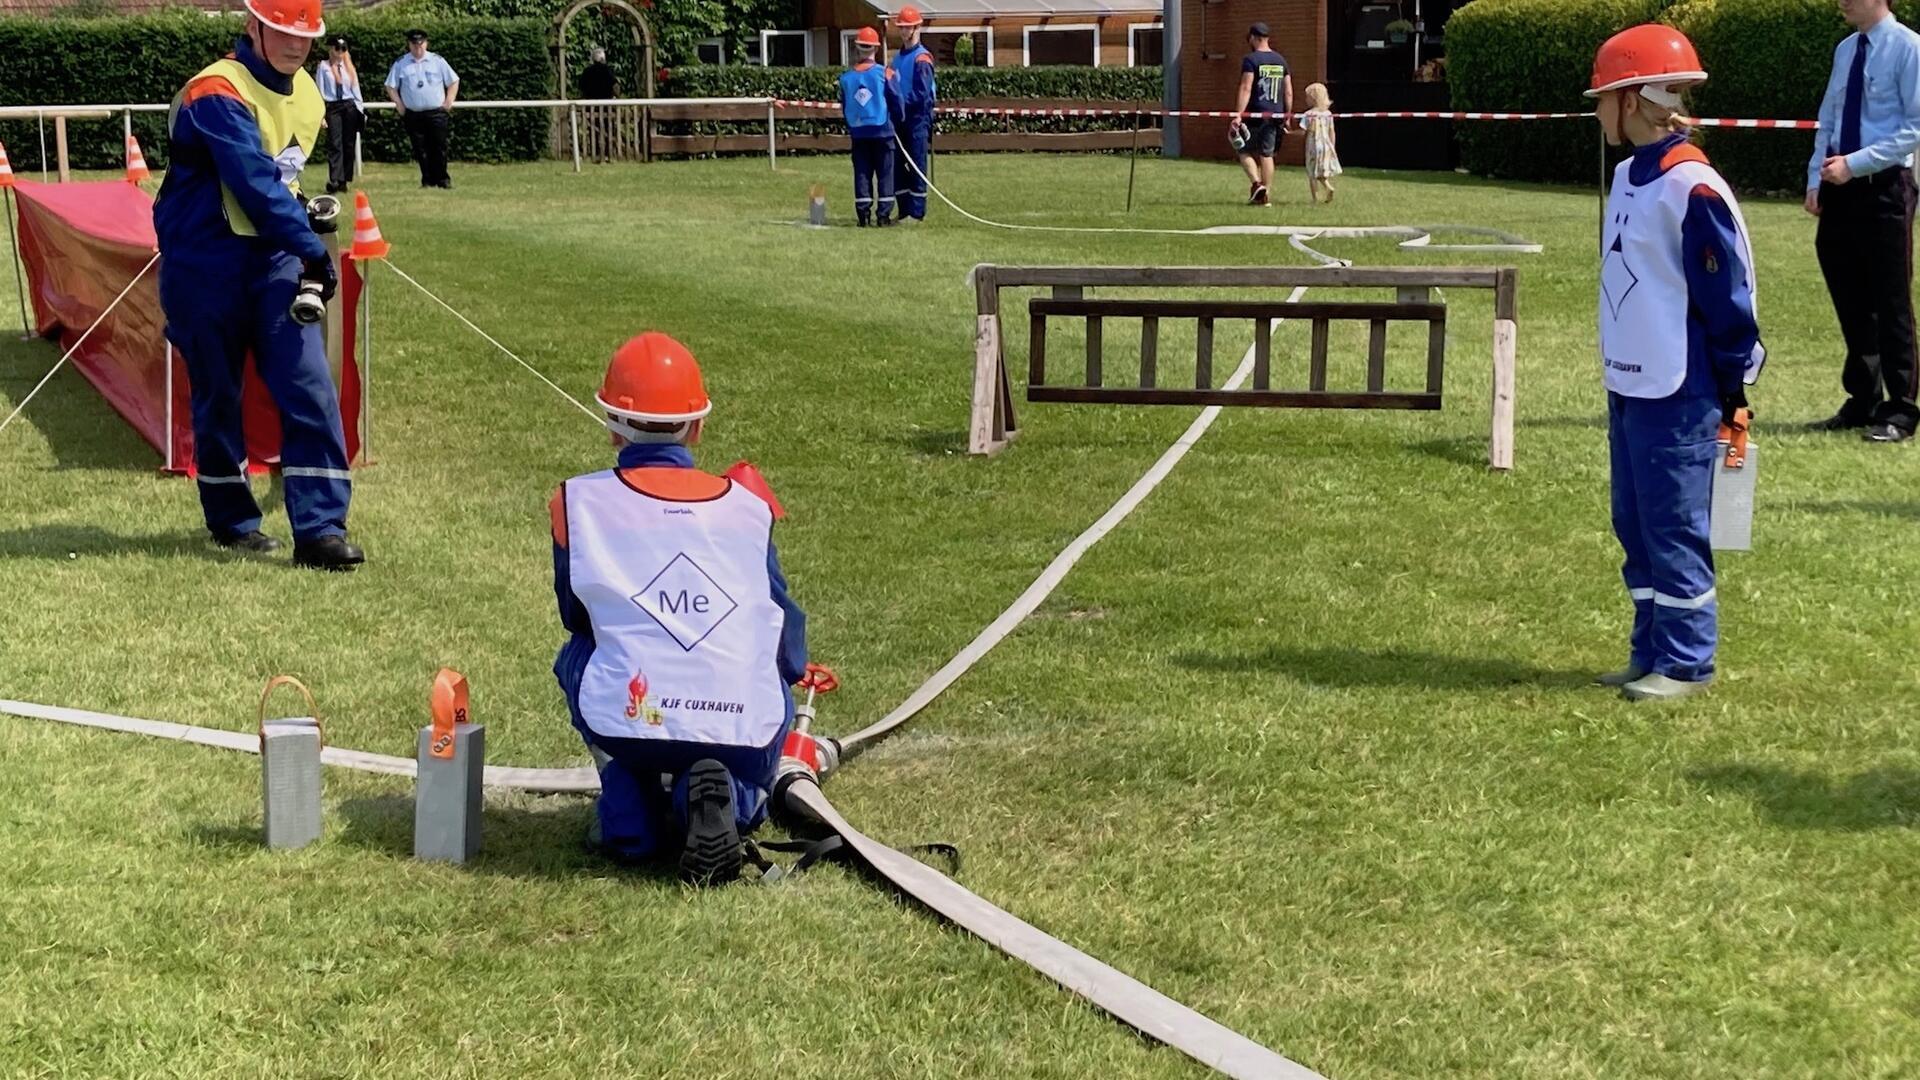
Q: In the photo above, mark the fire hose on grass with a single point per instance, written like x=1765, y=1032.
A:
x=798, y=795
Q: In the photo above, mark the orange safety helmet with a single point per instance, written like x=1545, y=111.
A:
x=301, y=18
x=1652, y=57
x=867, y=36
x=653, y=379
x=909, y=18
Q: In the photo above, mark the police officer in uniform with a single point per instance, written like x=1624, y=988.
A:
x=236, y=246
x=912, y=70
x=423, y=87
x=685, y=640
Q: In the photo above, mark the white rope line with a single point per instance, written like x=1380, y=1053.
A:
x=79, y=341
x=1411, y=236
x=408, y=278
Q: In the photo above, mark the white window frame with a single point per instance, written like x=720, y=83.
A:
x=805, y=36
x=1027, y=32
x=987, y=31
x=1131, y=30
x=718, y=43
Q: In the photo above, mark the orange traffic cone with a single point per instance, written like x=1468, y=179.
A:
x=6, y=170
x=136, y=162
x=367, y=243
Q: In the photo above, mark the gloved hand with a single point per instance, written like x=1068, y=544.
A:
x=1733, y=402
x=819, y=679
x=321, y=271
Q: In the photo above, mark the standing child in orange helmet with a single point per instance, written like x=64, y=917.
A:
x=1679, y=343
x=684, y=638
x=870, y=104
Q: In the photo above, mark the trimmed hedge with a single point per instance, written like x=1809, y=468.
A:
x=149, y=58
x=678, y=25
x=1532, y=56
x=823, y=84
x=1770, y=59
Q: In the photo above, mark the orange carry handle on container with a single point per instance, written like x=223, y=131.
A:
x=313, y=710
x=1733, y=432
x=449, y=704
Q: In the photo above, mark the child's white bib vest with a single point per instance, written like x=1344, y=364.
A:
x=1643, y=280
x=686, y=632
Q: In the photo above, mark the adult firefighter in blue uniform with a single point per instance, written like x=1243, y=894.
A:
x=235, y=247
x=1680, y=343
x=684, y=637
x=912, y=70
x=869, y=103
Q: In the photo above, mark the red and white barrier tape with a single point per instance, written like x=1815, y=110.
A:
x=1220, y=114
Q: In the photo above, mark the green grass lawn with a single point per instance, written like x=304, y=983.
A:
x=1306, y=743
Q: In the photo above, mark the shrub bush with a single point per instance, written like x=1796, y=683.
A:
x=147, y=59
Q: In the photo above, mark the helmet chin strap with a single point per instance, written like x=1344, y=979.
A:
x=632, y=432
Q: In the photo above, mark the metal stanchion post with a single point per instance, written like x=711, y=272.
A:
x=1133, y=160
x=772, y=151
x=13, y=256
x=573, y=123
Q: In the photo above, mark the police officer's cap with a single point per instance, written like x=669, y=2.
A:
x=339, y=43
x=416, y=34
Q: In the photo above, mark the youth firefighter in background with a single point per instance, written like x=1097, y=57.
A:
x=870, y=103
x=235, y=246
x=684, y=637
x=912, y=70
x=1680, y=343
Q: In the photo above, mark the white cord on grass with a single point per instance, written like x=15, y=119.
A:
x=404, y=276
x=81, y=340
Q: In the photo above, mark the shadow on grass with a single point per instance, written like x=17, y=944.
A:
x=60, y=541
x=1910, y=510
x=546, y=840
x=80, y=428
x=1349, y=668
x=932, y=442
x=1460, y=450
x=1875, y=799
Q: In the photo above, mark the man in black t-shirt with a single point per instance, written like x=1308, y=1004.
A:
x=1266, y=87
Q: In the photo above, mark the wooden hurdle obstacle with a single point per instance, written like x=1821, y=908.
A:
x=993, y=424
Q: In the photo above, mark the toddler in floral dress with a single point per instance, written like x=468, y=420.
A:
x=1323, y=164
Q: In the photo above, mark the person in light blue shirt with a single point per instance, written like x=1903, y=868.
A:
x=1860, y=185
x=339, y=83
x=423, y=87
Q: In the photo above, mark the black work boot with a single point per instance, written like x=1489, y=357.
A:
x=327, y=553
x=712, y=853
x=257, y=542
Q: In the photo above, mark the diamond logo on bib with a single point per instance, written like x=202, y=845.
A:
x=686, y=602
x=1617, y=279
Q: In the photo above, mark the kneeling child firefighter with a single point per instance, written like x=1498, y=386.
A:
x=1680, y=343
x=685, y=639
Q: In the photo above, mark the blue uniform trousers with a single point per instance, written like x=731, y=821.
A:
x=1663, y=453
x=917, y=137
x=641, y=817
x=214, y=322
x=873, y=177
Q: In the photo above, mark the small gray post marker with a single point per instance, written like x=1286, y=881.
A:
x=290, y=772
x=447, y=794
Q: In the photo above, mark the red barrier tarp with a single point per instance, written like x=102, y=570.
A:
x=82, y=243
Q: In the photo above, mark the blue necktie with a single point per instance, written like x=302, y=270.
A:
x=1856, y=89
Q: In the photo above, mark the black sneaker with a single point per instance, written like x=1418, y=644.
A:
x=712, y=854
x=1261, y=197
x=1887, y=433
x=886, y=223
x=327, y=553
x=256, y=541
x=862, y=223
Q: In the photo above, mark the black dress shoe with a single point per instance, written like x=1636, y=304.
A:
x=1888, y=433
x=328, y=553
x=256, y=541
x=1840, y=421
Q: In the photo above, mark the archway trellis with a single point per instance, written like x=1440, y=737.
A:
x=608, y=127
